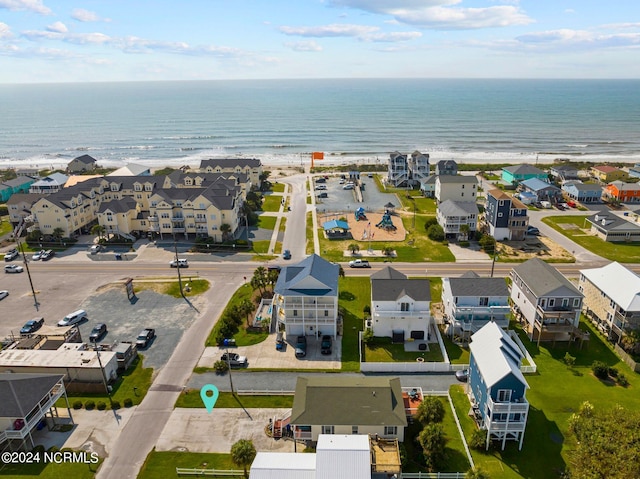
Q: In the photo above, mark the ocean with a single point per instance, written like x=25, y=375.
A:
x=282, y=121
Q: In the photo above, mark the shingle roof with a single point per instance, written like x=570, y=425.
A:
x=543, y=279
x=20, y=392
x=458, y=208
x=388, y=273
x=348, y=400
x=536, y=184
x=313, y=276
x=610, y=222
x=457, y=179
x=476, y=286
x=118, y=206
x=524, y=169
x=86, y=159
x=230, y=163
x=19, y=181
x=394, y=289
x=583, y=186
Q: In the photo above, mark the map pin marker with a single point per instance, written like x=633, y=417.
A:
x=209, y=400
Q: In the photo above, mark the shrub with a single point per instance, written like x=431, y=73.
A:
x=367, y=336
x=613, y=372
x=430, y=222
x=569, y=360
x=367, y=309
x=478, y=440
x=77, y=404
x=600, y=370
x=128, y=402
x=89, y=405
x=622, y=380
x=435, y=233
x=430, y=410
x=463, y=244
x=115, y=405
x=102, y=406
x=220, y=366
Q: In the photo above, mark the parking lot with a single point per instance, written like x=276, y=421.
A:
x=339, y=200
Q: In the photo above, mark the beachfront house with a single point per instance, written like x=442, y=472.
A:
x=82, y=164
x=132, y=169
x=546, y=302
x=471, y=301
x=398, y=170
x=446, y=167
x=49, y=184
x=506, y=217
x=634, y=171
x=612, y=299
x=622, y=192
x=418, y=167
x=583, y=192
x=610, y=227
x=400, y=307
x=517, y=173
x=453, y=215
x=607, y=174
x=496, y=386
x=456, y=188
x=563, y=173
x=252, y=167
x=336, y=404
x=20, y=206
x=14, y=186
x=306, y=298
x=543, y=190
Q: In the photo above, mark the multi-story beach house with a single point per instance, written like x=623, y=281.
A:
x=418, y=167
x=400, y=307
x=546, y=302
x=543, y=190
x=607, y=174
x=82, y=164
x=496, y=386
x=49, y=184
x=252, y=167
x=517, y=173
x=506, y=217
x=612, y=299
x=613, y=228
x=564, y=173
x=398, y=170
x=446, y=167
x=453, y=215
x=583, y=192
x=622, y=192
x=471, y=301
x=305, y=298
x=428, y=186
x=19, y=207
x=456, y=188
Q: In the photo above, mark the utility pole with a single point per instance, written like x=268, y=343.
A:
x=104, y=377
x=230, y=378
x=175, y=247
x=26, y=266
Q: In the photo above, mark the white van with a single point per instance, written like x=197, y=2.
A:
x=73, y=318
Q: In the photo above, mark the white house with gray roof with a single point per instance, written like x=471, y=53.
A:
x=547, y=302
x=612, y=298
x=452, y=215
x=611, y=227
x=400, y=307
x=456, y=188
x=471, y=301
x=305, y=298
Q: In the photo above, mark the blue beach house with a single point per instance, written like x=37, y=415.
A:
x=20, y=184
x=496, y=386
x=583, y=192
x=517, y=173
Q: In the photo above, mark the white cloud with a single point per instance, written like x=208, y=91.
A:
x=58, y=27
x=83, y=15
x=5, y=31
x=333, y=30
x=392, y=37
x=75, y=38
x=579, y=39
x=442, y=14
x=306, y=46
x=35, y=6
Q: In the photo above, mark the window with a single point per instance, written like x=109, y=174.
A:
x=552, y=302
x=404, y=306
x=391, y=430
x=295, y=312
x=543, y=303
x=504, y=395
x=484, y=301
x=327, y=429
x=137, y=187
x=576, y=302
x=326, y=312
x=354, y=429
x=565, y=302
x=462, y=194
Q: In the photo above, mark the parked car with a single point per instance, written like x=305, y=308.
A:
x=4, y=293
x=301, y=347
x=462, y=375
x=280, y=341
x=359, y=263
x=325, y=346
x=286, y=254
x=95, y=248
x=321, y=187
x=348, y=186
x=323, y=195
x=37, y=256
x=532, y=230
x=322, y=179
x=73, y=318
x=13, y=268
x=48, y=255
x=11, y=255
x=180, y=263
x=342, y=181
x=274, y=267
x=97, y=332
x=145, y=337
x=234, y=360
x=31, y=326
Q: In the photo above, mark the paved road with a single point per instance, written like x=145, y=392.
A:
x=295, y=232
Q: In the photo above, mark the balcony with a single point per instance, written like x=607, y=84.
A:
x=153, y=219
x=201, y=219
x=179, y=219
x=178, y=229
x=402, y=314
x=519, y=406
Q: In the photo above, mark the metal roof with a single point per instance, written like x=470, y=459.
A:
x=619, y=283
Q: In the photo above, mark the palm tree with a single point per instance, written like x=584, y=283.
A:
x=341, y=271
x=225, y=229
x=247, y=307
x=243, y=453
x=260, y=276
x=272, y=277
x=57, y=234
x=464, y=232
x=354, y=248
x=98, y=230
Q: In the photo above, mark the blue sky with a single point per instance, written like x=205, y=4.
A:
x=133, y=40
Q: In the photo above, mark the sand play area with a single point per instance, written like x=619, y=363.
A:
x=360, y=230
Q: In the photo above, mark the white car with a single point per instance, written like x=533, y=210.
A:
x=348, y=186
x=4, y=293
x=181, y=263
x=73, y=318
x=13, y=268
x=37, y=255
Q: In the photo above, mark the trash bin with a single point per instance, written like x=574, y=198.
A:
x=118, y=256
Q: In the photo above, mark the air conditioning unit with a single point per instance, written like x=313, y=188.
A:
x=369, y=323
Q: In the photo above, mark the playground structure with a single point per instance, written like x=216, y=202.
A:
x=360, y=215
x=386, y=222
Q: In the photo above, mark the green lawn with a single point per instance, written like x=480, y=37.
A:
x=242, y=337
x=271, y=203
x=133, y=385
x=578, y=232
x=5, y=225
x=423, y=205
x=278, y=187
x=457, y=354
x=355, y=294
x=163, y=463
x=266, y=222
x=283, y=225
x=66, y=470
x=309, y=248
x=435, y=286
x=381, y=350
x=261, y=246
x=556, y=391
x=191, y=398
